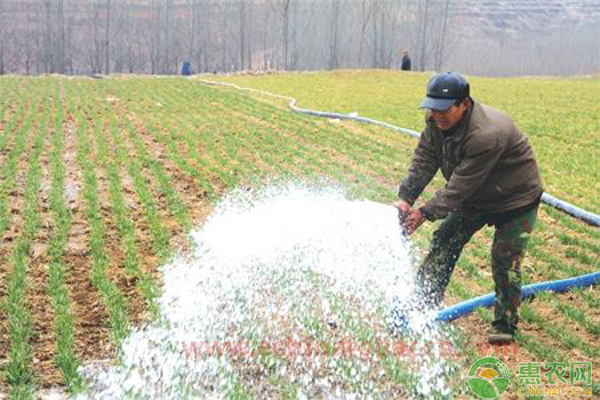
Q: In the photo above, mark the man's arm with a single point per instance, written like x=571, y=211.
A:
x=480, y=159
x=422, y=169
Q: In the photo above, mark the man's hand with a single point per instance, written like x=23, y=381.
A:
x=404, y=210
x=413, y=221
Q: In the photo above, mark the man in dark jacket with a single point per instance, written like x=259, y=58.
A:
x=492, y=178
x=406, y=64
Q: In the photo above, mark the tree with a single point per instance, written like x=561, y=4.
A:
x=156, y=29
x=440, y=45
x=169, y=62
x=95, y=57
x=336, y=6
x=2, y=37
x=241, y=4
x=282, y=9
x=107, y=39
x=366, y=11
x=424, y=28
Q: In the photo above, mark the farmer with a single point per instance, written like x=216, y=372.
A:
x=492, y=179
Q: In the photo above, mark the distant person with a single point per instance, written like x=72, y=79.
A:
x=406, y=64
x=492, y=179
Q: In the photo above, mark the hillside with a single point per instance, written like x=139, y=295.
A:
x=510, y=17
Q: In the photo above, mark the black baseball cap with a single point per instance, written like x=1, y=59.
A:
x=445, y=90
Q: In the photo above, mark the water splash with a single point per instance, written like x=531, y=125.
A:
x=286, y=292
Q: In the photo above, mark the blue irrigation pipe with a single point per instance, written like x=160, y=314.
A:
x=458, y=310
x=572, y=210
x=590, y=218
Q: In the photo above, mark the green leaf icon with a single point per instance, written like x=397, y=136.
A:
x=489, y=378
x=483, y=388
x=501, y=384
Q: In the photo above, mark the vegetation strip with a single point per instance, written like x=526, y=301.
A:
x=160, y=235
x=19, y=374
x=177, y=208
x=64, y=331
x=13, y=123
x=9, y=168
x=125, y=224
x=114, y=300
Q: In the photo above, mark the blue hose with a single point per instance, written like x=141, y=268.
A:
x=572, y=210
x=458, y=310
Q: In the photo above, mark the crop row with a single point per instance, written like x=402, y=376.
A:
x=64, y=332
x=114, y=300
x=18, y=370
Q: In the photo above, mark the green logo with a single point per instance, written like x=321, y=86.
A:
x=489, y=378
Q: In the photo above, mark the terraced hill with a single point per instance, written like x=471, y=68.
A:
x=511, y=16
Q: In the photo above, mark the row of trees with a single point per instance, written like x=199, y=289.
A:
x=155, y=36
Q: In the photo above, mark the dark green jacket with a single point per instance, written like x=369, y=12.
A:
x=487, y=162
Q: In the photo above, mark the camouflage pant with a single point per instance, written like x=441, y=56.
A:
x=510, y=241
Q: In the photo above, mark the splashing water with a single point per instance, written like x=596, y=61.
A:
x=286, y=292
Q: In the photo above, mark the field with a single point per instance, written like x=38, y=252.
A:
x=100, y=180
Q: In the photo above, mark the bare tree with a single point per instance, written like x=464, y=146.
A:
x=96, y=51
x=28, y=48
x=241, y=4
x=68, y=35
x=128, y=32
x=249, y=34
x=168, y=62
x=48, y=51
x=440, y=44
x=334, y=44
x=38, y=37
x=2, y=37
x=156, y=37
x=282, y=9
x=424, y=28
x=107, y=39
x=366, y=11
x=384, y=31
x=377, y=22
x=194, y=51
